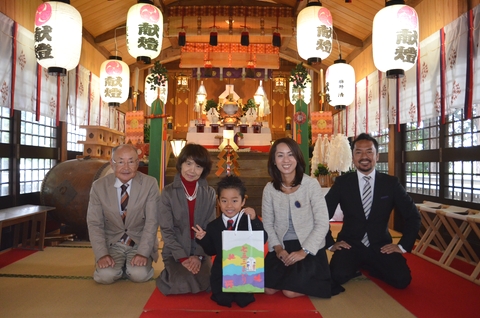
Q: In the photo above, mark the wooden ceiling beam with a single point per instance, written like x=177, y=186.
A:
x=118, y=31
x=346, y=37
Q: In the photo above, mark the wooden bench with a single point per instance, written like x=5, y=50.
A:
x=26, y=215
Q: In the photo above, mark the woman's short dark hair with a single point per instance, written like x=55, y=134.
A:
x=197, y=153
x=297, y=154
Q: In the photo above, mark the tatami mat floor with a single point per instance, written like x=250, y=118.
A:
x=57, y=283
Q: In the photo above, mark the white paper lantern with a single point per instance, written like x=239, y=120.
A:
x=144, y=31
x=58, y=36
x=314, y=32
x=395, y=39
x=340, y=83
x=160, y=92
x=114, y=81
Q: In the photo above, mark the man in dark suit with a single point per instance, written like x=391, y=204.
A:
x=364, y=241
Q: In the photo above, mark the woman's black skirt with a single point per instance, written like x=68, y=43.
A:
x=310, y=276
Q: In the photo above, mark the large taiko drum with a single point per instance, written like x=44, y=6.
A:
x=67, y=188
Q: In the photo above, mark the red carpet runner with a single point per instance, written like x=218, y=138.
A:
x=14, y=255
x=435, y=292
x=200, y=305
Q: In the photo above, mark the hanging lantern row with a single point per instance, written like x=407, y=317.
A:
x=58, y=48
x=114, y=81
x=144, y=31
x=395, y=38
x=314, y=32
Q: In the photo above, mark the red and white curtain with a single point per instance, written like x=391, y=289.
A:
x=6, y=27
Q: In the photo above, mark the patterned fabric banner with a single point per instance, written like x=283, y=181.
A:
x=383, y=100
x=216, y=72
x=351, y=118
x=373, y=113
x=134, y=125
x=25, y=71
x=456, y=38
x=6, y=54
x=476, y=54
x=78, y=111
x=322, y=123
x=361, y=107
x=408, y=97
x=430, y=76
x=225, y=11
x=48, y=94
x=95, y=104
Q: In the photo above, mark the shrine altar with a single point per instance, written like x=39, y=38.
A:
x=256, y=141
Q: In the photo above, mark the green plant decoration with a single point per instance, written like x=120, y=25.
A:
x=211, y=104
x=322, y=170
x=160, y=76
x=146, y=133
x=298, y=76
x=250, y=104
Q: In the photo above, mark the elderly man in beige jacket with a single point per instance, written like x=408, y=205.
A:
x=122, y=220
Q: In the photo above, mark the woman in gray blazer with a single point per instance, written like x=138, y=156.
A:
x=186, y=202
x=295, y=218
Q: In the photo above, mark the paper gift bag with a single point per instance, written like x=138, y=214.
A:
x=243, y=260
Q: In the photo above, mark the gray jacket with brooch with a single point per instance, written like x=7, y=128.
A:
x=308, y=210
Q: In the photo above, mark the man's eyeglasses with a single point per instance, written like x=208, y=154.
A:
x=130, y=163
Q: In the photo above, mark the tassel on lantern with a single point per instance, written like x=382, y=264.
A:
x=277, y=39
x=245, y=39
x=213, y=38
x=182, y=39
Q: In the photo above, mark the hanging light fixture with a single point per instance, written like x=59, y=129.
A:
x=182, y=38
x=114, y=79
x=277, y=39
x=182, y=83
x=182, y=35
x=208, y=67
x=213, y=37
x=245, y=38
x=213, y=33
x=144, y=31
x=340, y=83
x=314, y=32
x=395, y=38
x=280, y=84
x=57, y=47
